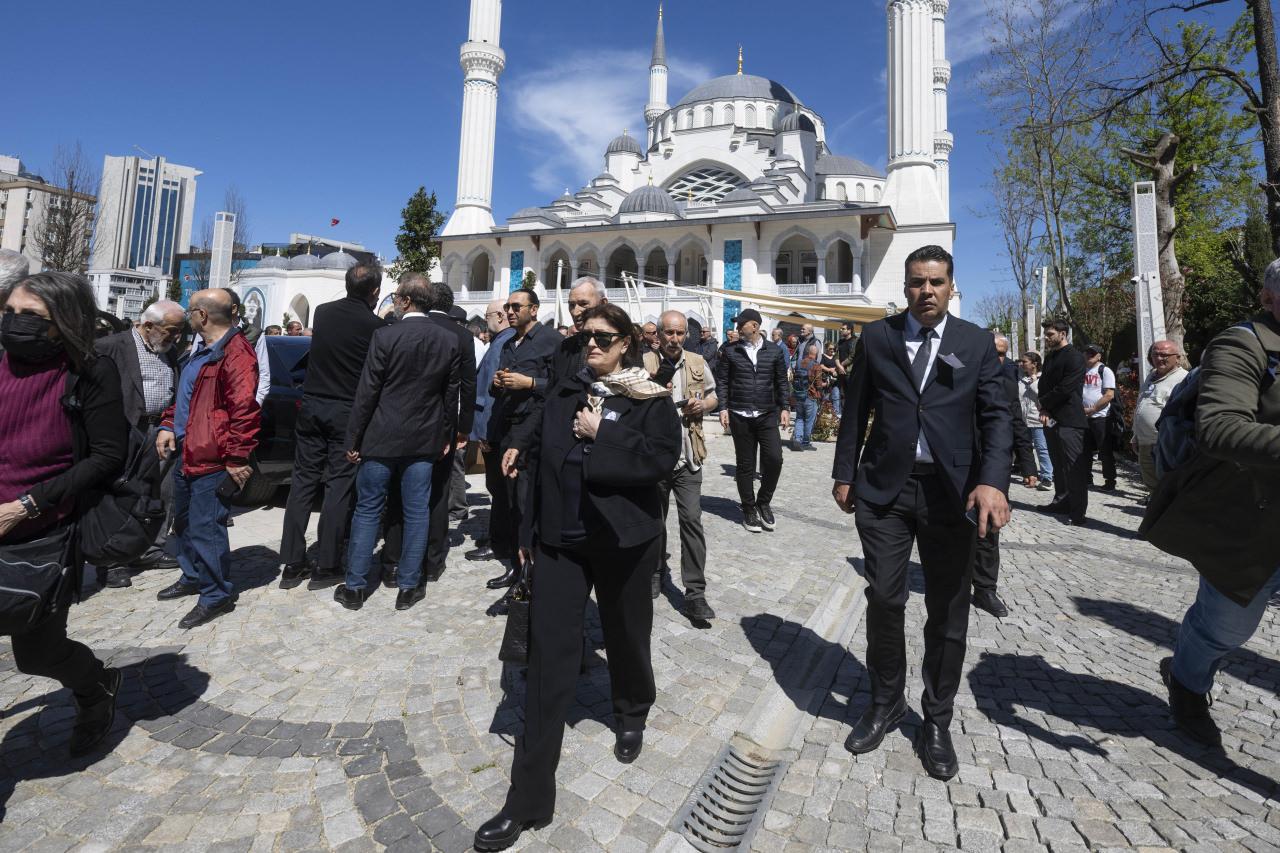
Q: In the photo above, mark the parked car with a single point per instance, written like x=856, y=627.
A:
x=273, y=460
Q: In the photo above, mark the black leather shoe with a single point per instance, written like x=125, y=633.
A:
x=628, y=745
x=990, y=602
x=118, y=578
x=936, y=752
x=178, y=589
x=873, y=725
x=294, y=574
x=697, y=610
x=433, y=574
x=200, y=614
x=94, y=718
x=484, y=552
x=500, y=832
x=766, y=516
x=352, y=599
x=325, y=578
x=389, y=575
x=1190, y=710
x=505, y=580
x=1055, y=508
x=406, y=598
x=155, y=560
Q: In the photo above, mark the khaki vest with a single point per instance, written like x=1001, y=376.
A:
x=695, y=377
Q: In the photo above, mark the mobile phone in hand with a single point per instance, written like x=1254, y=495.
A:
x=972, y=516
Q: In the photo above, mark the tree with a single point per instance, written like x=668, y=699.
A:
x=416, y=243
x=999, y=310
x=63, y=238
x=530, y=280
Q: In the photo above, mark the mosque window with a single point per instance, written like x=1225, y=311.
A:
x=709, y=184
x=770, y=117
x=686, y=119
x=841, y=193
x=750, y=117
x=861, y=192
x=708, y=117
x=728, y=113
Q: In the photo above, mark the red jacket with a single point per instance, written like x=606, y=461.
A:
x=224, y=416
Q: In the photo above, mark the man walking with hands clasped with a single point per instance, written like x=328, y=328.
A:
x=934, y=471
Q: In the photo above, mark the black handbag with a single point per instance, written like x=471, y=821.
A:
x=515, y=639
x=33, y=575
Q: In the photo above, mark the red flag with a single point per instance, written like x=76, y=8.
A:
x=333, y=222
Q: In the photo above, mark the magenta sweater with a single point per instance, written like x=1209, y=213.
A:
x=35, y=435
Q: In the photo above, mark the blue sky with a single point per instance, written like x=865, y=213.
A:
x=331, y=109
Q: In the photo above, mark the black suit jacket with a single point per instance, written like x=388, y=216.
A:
x=407, y=400
x=467, y=354
x=121, y=349
x=531, y=358
x=1061, y=387
x=568, y=358
x=963, y=411
x=343, y=329
x=635, y=448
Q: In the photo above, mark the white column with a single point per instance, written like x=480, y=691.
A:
x=466, y=279
x=857, y=271
x=482, y=62
x=911, y=188
x=943, y=141
x=822, y=273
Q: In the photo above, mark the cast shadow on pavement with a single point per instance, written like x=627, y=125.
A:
x=150, y=688
x=1244, y=664
x=1003, y=682
x=820, y=678
x=1091, y=523
x=254, y=566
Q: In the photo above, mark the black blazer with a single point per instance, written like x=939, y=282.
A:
x=533, y=359
x=567, y=359
x=407, y=400
x=1061, y=387
x=343, y=329
x=123, y=352
x=963, y=411
x=631, y=454
x=467, y=355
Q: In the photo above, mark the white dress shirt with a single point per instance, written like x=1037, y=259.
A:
x=923, y=454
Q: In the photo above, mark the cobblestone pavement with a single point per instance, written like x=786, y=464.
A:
x=292, y=724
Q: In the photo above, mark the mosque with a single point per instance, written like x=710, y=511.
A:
x=731, y=196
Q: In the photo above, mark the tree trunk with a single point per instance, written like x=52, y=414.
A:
x=1264, y=34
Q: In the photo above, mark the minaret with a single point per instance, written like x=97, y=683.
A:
x=657, y=105
x=912, y=186
x=943, y=141
x=482, y=61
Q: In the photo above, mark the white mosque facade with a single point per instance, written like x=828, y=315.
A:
x=732, y=188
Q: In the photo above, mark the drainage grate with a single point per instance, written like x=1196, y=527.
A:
x=726, y=808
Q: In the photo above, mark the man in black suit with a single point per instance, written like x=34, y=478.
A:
x=1061, y=390
x=404, y=421
x=147, y=361
x=343, y=329
x=940, y=445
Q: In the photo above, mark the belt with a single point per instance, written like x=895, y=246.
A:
x=925, y=469
x=147, y=421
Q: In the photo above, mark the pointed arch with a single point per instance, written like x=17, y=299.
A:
x=793, y=231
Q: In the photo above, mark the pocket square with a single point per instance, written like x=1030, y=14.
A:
x=611, y=416
x=950, y=359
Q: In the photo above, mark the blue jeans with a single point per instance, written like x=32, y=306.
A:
x=200, y=523
x=1042, y=453
x=836, y=398
x=1214, y=627
x=806, y=417
x=373, y=481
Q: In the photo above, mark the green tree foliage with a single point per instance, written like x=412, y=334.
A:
x=530, y=280
x=416, y=243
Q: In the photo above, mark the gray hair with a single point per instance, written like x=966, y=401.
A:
x=1271, y=278
x=13, y=269
x=591, y=280
x=997, y=337
x=156, y=312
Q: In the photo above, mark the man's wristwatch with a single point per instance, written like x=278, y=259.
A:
x=29, y=506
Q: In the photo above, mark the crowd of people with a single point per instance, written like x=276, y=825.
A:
x=585, y=433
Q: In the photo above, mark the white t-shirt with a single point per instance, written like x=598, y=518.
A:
x=1097, y=380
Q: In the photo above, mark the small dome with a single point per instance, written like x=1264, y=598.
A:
x=649, y=199
x=624, y=144
x=535, y=213
x=304, y=262
x=796, y=121
x=733, y=86
x=338, y=260
x=833, y=164
x=273, y=262
x=741, y=194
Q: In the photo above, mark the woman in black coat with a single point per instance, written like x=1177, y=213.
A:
x=608, y=436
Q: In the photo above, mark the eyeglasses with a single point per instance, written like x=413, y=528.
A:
x=1163, y=355
x=493, y=313
x=604, y=340
x=515, y=306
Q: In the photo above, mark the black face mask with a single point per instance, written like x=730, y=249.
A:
x=26, y=338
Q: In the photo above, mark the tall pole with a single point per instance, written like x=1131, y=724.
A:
x=559, y=281
x=1044, y=305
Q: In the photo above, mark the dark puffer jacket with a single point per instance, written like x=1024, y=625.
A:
x=743, y=386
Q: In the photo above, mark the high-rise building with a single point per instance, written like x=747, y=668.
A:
x=25, y=203
x=145, y=213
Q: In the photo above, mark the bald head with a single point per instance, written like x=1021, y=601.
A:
x=495, y=317
x=211, y=313
x=1164, y=356
x=672, y=331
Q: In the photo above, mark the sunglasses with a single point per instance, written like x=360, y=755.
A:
x=514, y=306
x=604, y=340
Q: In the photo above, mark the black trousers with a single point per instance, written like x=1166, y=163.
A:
x=502, y=529
x=927, y=514
x=319, y=461
x=47, y=651
x=458, y=483
x=687, y=487
x=562, y=580
x=752, y=435
x=986, y=562
x=439, y=506
x=1070, y=469
x=1098, y=440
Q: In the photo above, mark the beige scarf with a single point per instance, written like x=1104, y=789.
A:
x=633, y=382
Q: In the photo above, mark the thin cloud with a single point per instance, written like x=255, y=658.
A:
x=567, y=113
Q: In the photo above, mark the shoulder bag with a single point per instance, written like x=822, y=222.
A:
x=33, y=577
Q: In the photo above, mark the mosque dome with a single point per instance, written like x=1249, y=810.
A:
x=733, y=86
x=649, y=199
x=273, y=262
x=624, y=144
x=796, y=120
x=741, y=194
x=338, y=261
x=304, y=262
x=535, y=212
x=833, y=164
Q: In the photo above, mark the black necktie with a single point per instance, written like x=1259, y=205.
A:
x=920, y=365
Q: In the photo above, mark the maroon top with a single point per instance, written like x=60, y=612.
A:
x=35, y=433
